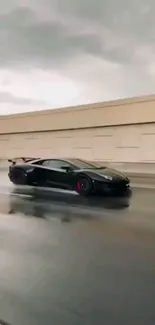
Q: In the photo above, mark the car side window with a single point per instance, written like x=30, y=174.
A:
x=56, y=163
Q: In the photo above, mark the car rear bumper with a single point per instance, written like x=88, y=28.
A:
x=10, y=177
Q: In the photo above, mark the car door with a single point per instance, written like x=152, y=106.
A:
x=59, y=173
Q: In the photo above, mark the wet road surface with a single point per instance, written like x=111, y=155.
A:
x=88, y=269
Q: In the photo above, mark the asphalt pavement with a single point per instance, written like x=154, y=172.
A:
x=63, y=264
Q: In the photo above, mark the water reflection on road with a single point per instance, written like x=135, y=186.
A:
x=48, y=204
x=98, y=267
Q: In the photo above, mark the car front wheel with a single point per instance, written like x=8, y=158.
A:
x=83, y=186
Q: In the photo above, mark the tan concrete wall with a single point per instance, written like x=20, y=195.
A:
x=132, y=143
x=121, y=112
x=113, y=131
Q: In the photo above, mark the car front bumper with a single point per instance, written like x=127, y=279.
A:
x=120, y=189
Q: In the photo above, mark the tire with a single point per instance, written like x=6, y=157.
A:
x=21, y=177
x=126, y=204
x=83, y=185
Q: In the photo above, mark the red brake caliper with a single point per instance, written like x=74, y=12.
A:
x=78, y=185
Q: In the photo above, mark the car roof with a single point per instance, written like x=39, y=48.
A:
x=57, y=158
x=74, y=161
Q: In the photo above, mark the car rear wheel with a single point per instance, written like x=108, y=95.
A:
x=20, y=178
x=83, y=185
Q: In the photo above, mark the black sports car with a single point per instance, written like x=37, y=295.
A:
x=86, y=178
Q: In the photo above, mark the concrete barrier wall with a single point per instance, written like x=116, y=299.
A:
x=110, y=132
x=121, y=112
x=132, y=143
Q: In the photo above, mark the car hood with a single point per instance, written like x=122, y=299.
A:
x=116, y=175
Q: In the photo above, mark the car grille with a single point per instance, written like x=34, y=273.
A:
x=120, y=186
x=117, y=187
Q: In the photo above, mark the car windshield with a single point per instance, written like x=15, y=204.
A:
x=87, y=164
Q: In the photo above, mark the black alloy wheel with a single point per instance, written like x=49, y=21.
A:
x=83, y=186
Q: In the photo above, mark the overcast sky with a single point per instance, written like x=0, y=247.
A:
x=56, y=53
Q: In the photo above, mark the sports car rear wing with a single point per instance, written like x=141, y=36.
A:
x=24, y=159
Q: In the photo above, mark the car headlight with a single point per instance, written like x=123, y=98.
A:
x=109, y=178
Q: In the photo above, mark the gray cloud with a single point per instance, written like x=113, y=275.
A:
x=6, y=97
x=79, y=39
x=25, y=39
x=51, y=35
x=132, y=17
